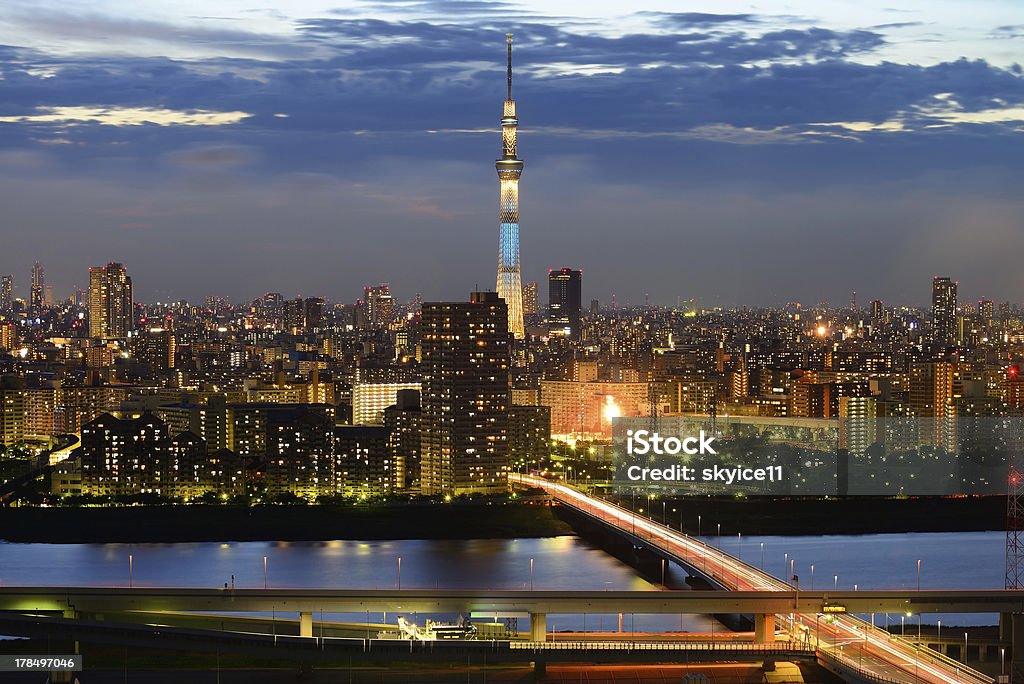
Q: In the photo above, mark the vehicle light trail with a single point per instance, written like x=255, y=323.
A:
x=888, y=652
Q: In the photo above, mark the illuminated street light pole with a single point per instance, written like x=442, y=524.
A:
x=131, y=570
x=399, y=572
x=919, y=574
x=531, y=574
x=762, y=556
x=264, y=572
x=812, y=576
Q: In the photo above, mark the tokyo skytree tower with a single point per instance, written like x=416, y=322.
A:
x=509, y=169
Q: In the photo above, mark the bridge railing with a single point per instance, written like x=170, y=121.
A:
x=842, y=662
x=699, y=646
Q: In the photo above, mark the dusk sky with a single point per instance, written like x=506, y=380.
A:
x=740, y=153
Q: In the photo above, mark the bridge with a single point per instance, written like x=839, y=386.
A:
x=104, y=600
x=832, y=631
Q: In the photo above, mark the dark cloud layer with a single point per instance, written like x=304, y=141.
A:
x=722, y=140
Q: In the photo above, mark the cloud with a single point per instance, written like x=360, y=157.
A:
x=127, y=116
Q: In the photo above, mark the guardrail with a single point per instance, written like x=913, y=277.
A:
x=699, y=646
x=842, y=663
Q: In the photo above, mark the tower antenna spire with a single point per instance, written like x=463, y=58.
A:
x=508, y=38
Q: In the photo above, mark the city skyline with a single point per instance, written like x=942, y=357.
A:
x=805, y=152
x=864, y=301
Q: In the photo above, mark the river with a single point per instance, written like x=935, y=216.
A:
x=960, y=560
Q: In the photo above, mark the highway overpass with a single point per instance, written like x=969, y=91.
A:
x=879, y=653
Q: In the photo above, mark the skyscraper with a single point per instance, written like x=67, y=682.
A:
x=466, y=395
x=37, y=295
x=530, y=298
x=6, y=292
x=565, y=302
x=510, y=168
x=380, y=305
x=943, y=310
x=110, y=301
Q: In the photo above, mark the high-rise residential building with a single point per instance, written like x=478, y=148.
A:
x=403, y=423
x=369, y=399
x=944, y=326
x=6, y=292
x=363, y=461
x=876, y=310
x=37, y=295
x=110, y=301
x=565, y=302
x=379, y=305
x=466, y=395
x=8, y=335
x=510, y=168
x=530, y=304
x=156, y=347
x=986, y=310
x=12, y=413
x=312, y=312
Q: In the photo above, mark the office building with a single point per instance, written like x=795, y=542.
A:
x=565, y=302
x=37, y=294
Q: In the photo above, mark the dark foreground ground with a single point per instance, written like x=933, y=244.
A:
x=725, y=673
x=751, y=516
x=278, y=523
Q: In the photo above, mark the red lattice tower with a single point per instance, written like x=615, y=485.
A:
x=1014, y=529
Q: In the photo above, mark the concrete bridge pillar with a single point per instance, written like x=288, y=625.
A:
x=764, y=629
x=306, y=624
x=538, y=627
x=1011, y=633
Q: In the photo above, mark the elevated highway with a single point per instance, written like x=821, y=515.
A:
x=836, y=635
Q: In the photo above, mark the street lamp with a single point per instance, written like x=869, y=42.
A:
x=531, y=574
x=762, y=556
x=919, y=574
x=965, y=648
x=719, y=536
x=698, y=525
x=812, y=576
x=264, y=572
x=837, y=583
x=130, y=570
x=399, y=572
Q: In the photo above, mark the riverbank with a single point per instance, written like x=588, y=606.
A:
x=495, y=520
x=193, y=523
x=849, y=515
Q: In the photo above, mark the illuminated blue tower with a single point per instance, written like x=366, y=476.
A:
x=509, y=168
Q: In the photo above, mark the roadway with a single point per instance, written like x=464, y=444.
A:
x=785, y=600
x=842, y=638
